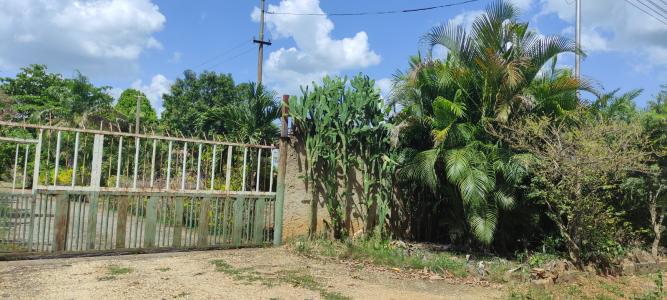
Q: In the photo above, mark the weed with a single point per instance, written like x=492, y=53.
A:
x=106, y=278
x=118, y=270
x=182, y=294
x=307, y=281
x=163, y=269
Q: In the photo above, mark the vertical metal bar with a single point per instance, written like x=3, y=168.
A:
x=215, y=148
x=185, y=160
x=36, y=167
x=259, y=164
x=136, y=162
x=25, y=166
x=245, y=158
x=228, y=175
x=76, y=158
x=168, y=187
x=271, y=173
x=118, y=165
x=199, y=166
x=153, y=162
x=57, y=159
x=16, y=166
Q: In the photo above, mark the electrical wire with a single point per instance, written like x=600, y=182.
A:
x=664, y=11
x=234, y=57
x=386, y=12
x=222, y=54
x=652, y=9
x=644, y=11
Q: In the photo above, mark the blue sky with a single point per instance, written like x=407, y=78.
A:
x=147, y=44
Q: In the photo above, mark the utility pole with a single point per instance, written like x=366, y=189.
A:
x=137, y=113
x=577, y=63
x=261, y=42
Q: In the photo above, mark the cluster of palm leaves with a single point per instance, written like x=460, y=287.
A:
x=494, y=72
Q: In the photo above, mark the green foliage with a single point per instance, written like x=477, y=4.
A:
x=344, y=131
x=39, y=97
x=211, y=104
x=127, y=106
x=491, y=73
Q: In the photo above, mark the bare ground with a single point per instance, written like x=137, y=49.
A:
x=269, y=273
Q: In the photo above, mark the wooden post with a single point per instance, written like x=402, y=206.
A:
x=121, y=224
x=280, y=184
x=260, y=214
x=60, y=222
x=151, y=222
x=237, y=227
x=202, y=235
x=95, y=177
x=178, y=222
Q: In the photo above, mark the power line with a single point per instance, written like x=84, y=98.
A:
x=221, y=54
x=644, y=11
x=652, y=9
x=664, y=11
x=386, y=12
x=251, y=49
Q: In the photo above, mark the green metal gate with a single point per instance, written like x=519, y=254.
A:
x=82, y=191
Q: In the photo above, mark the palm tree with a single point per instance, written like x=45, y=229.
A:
x=492, y=73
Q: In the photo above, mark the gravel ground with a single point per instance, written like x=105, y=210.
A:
x=269, y=273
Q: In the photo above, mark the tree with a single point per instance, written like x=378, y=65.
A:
x=576, y=167
x=127, y=106
x=252, y=118
x=491, y=73
x=194, y=103
x=40, y=96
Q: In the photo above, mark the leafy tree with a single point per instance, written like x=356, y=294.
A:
x=576, y=170
x=252, y=118
x=195, y=102
x=491, y=74
x=127, y=106
x=40, y=96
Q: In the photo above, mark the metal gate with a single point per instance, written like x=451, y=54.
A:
x=83, y=190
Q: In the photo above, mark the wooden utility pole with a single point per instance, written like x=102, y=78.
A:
x=577, y=62
x=261, y=42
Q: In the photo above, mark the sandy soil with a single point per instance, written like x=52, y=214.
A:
x=255, y=274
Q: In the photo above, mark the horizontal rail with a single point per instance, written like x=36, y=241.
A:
x=18, y=140
x=145, y=136
x=150, y=192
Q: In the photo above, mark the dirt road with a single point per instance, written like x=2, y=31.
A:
x=271, y=273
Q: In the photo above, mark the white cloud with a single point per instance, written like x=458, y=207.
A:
x=175, y=57
x=523, y=5
x=158, y=86
x=614, y=26
x=316, y=52
x=102, y=36
x=385, y=85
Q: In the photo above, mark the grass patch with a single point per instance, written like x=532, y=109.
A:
x=292, y=277
x=594, y=287
x=382, y=253
x=163, y=269
x=307, y=281
x=113, y=271
x=118, y=270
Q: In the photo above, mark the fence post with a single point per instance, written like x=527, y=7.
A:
x=202, y=236
x=95, y=177
x=151, y=222
x=60, y=222
x=178, y=222
x=121, y=224
x=282, y=162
